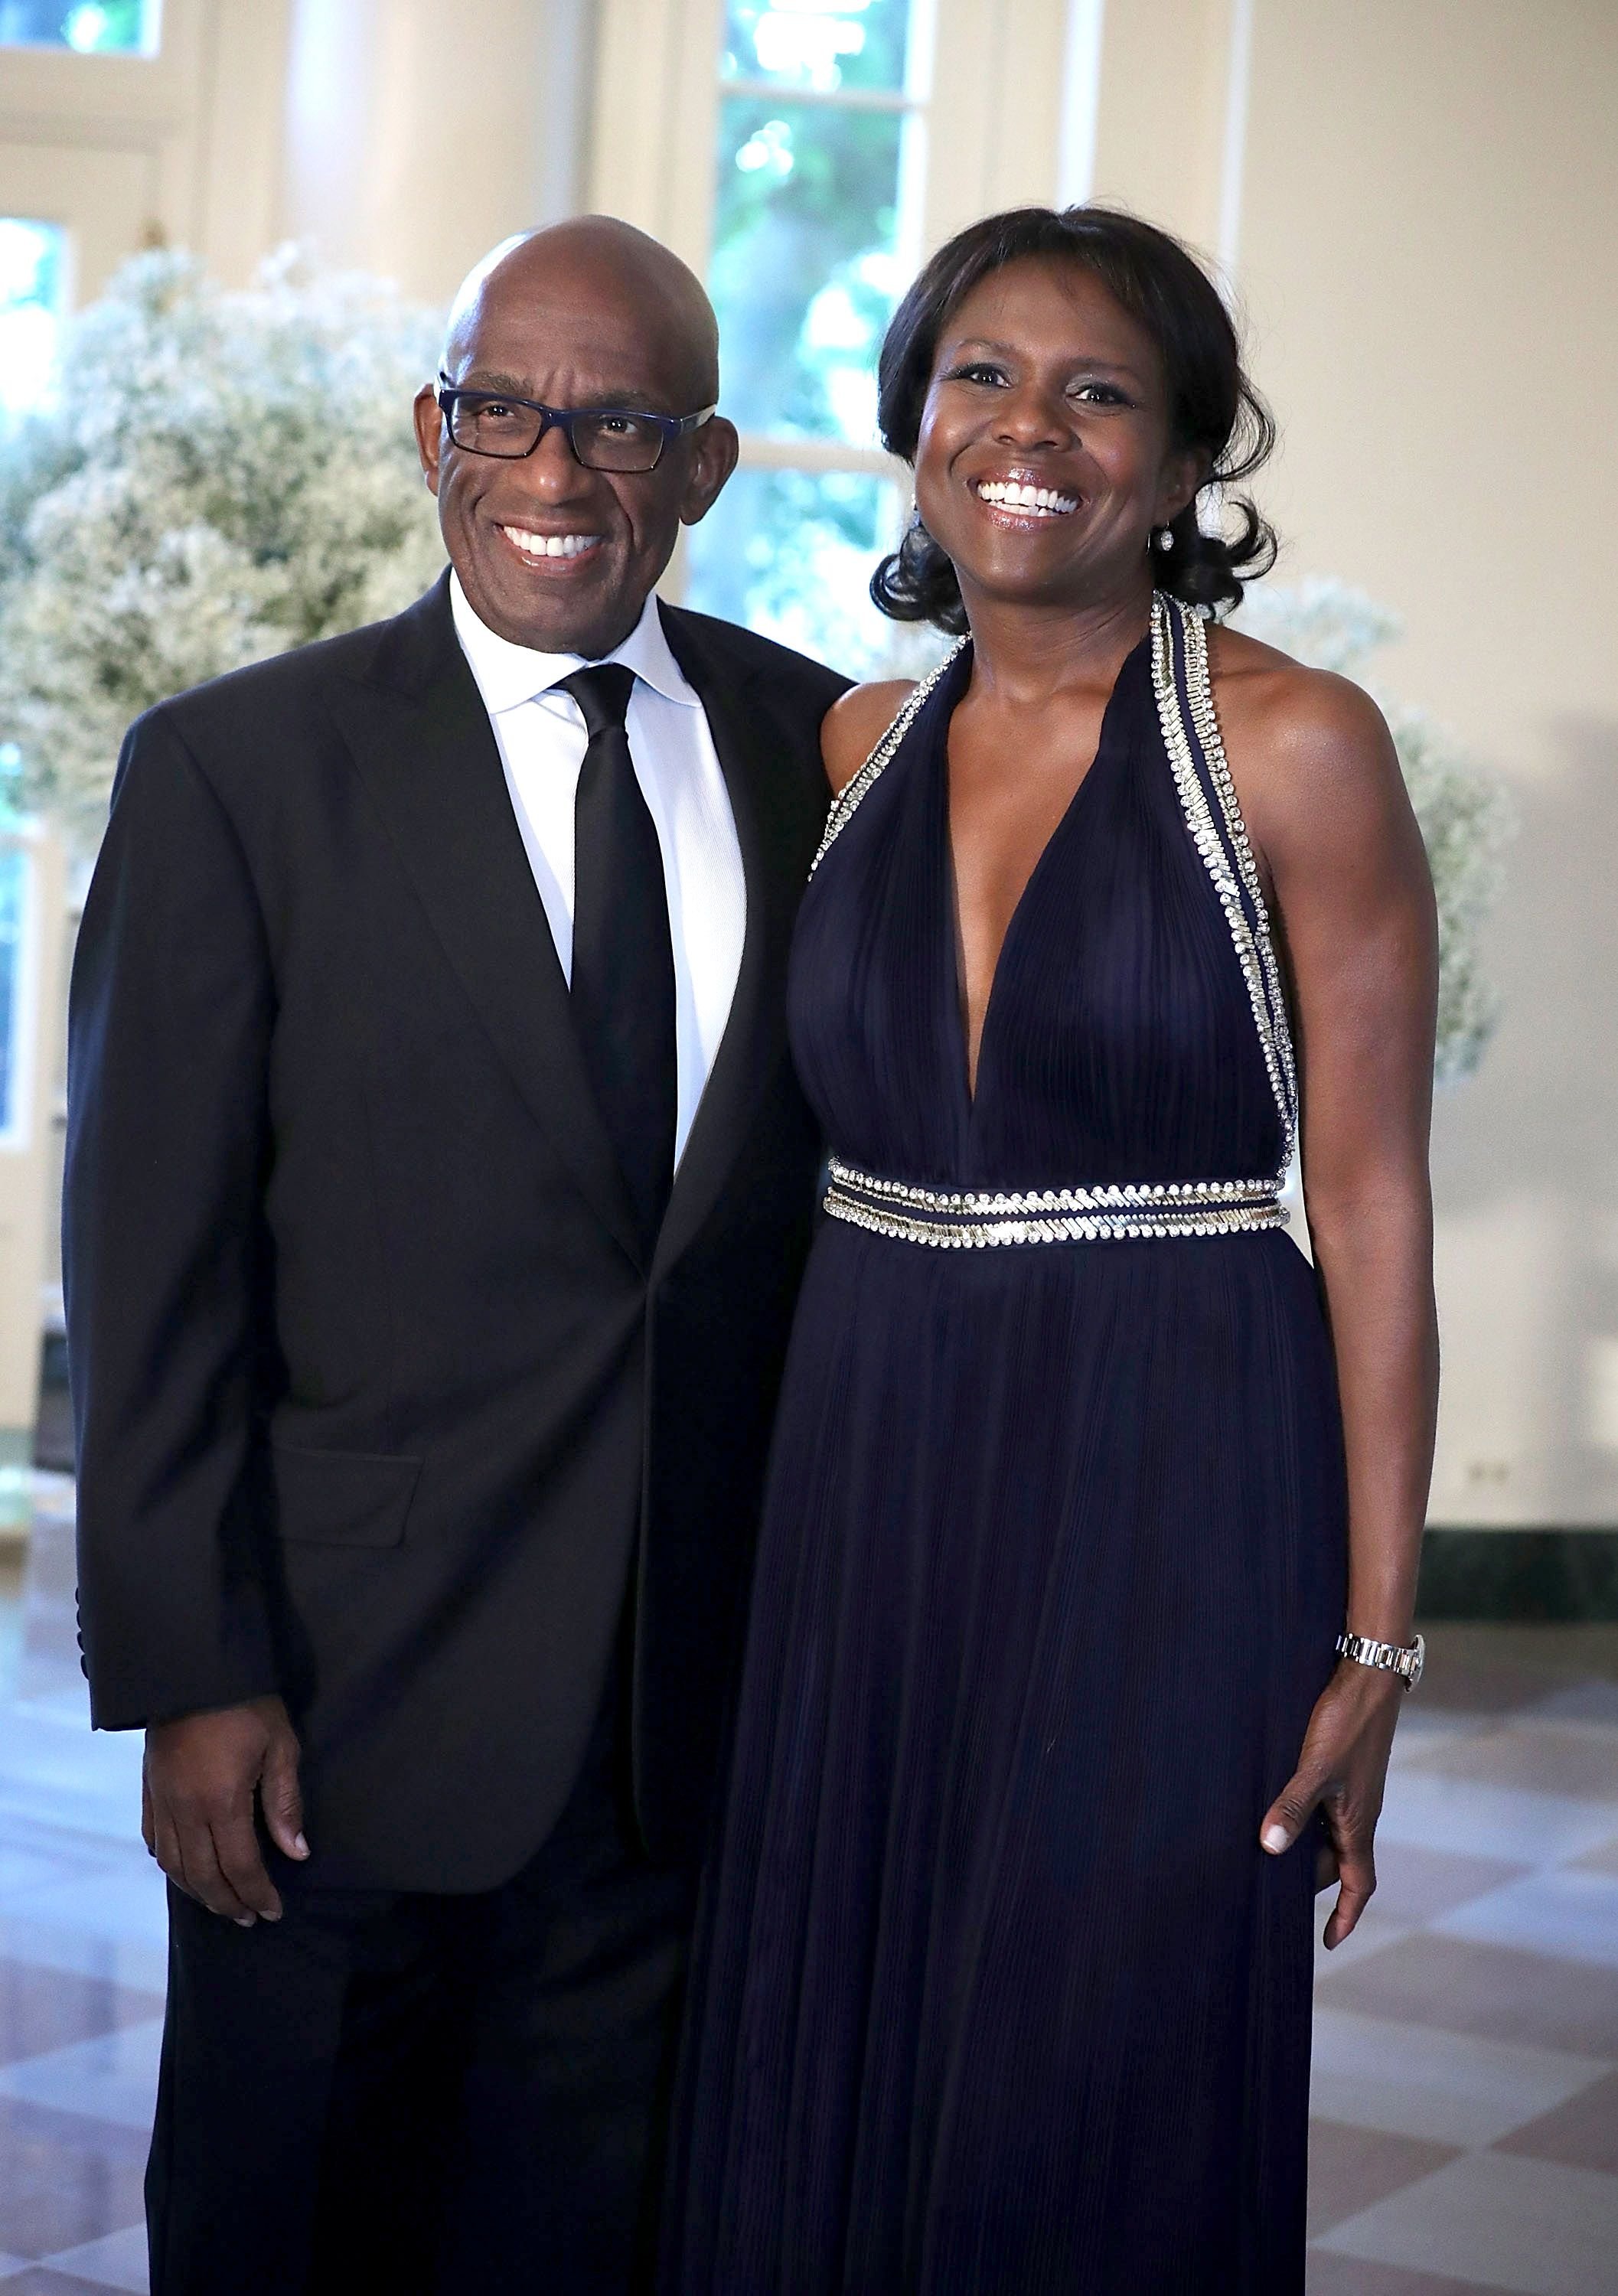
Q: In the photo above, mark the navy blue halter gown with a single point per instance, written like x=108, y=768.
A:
x=995, y=1990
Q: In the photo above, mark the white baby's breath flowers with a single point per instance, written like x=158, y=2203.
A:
x=220, y=476
x=224, y=475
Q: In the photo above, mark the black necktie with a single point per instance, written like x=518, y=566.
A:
x=623, y=954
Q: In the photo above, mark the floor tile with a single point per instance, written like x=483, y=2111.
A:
x=60, y=1772
x=1566, y=1913
x=1485, y=1681
x=64, y=2180
x=1546, y=1758
x=129, y=1962
x=45, y=2009
x=1448, y=2088
x=28, y=1869
x=1599, y=1861
x=1468, y=1817
x=1462, y=1988
x=113, y=2078
x=39, y=2280
x=1583, y=2131
x=1352, y=2276
x=116, y=1902
x=1591, y=1700
x=1487, y=1659
x=1371, y=1933
x=1349, y=2168
x=117, y=2261
x=1536, y=2227
x=1416, y=1884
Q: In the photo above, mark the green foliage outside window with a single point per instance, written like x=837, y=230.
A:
x=90, y=27
x=806, y=268
x=828, y=44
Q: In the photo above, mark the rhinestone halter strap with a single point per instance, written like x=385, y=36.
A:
x=972, y=1219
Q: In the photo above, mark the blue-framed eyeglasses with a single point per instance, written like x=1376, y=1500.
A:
x=601, y=438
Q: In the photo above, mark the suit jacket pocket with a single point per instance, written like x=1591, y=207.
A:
x=341, y=1498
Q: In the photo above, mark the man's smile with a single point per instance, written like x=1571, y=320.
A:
x=548, y=550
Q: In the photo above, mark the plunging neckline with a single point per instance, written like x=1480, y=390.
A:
x=970, y=1086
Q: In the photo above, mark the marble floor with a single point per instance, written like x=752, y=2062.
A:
x=1466, y=2099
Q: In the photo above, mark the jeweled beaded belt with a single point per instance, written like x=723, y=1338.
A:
x=971, y=1219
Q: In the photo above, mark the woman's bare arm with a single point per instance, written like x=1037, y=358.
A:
x=1326, y=807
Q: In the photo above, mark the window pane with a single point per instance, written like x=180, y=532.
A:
x=13, y=864
x=92, y=27
x=807, y=265
x=789, y=553
x=30, y=302
x=819, y=43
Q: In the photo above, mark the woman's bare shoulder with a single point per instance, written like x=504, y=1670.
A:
x=855, y=724
x=1314, y=764
x=1294, y=727
x=1286, y=704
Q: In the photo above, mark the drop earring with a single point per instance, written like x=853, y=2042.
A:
x=1165, y=540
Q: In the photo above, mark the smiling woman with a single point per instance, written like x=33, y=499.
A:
x=1216, y=416
x=1048, y=1731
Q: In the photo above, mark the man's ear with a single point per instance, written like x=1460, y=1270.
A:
x=714, y=449
x=429, y=433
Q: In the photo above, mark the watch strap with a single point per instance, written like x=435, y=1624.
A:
x=1391, y=1658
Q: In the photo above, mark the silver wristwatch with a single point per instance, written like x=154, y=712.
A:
x=1392, y=1657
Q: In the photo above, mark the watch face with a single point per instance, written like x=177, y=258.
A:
x=1419, y=1662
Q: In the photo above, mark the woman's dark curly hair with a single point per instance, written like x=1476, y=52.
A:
x=1213, y=405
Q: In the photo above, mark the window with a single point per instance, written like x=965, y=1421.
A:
x=127, y=27
x=31, y=256
x=14, y=898
x=817, y=216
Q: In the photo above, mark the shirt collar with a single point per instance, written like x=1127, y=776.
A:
x=509, y=675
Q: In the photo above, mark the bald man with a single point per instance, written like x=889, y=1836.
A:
x=437, y=1190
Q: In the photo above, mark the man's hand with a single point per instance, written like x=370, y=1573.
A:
x=197, y=1789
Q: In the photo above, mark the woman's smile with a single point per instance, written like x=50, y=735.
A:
x=1020, y=500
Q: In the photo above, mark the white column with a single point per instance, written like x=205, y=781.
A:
x=418, y=135
x=1080, y=101
x=1171, y=114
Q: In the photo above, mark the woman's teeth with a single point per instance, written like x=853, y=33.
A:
x=1016, y=494
x=548, y=545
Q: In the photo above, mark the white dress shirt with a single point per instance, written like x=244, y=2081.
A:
x=541, y=739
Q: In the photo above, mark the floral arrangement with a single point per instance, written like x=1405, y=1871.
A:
x=1464, y=815
x=224, y=475
x=219, y=476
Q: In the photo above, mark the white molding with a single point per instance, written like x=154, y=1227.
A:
x=848, y=99
x=1233, y=153
x=762, y=453
x=1080, y=101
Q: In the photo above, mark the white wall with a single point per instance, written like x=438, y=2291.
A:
x=1427, y=204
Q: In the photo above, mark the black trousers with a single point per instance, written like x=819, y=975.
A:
x=421, y=2096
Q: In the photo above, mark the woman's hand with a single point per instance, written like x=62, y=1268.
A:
x=1342, y=1772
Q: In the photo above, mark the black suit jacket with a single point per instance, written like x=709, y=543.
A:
x=377, y=1404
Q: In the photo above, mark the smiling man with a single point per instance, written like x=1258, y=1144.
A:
x=436, y=1193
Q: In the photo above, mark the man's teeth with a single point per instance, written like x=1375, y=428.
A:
x=548, y=545
x=1016, y=494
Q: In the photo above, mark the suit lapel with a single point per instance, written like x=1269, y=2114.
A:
x=422, y=744
x=755, y=1032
